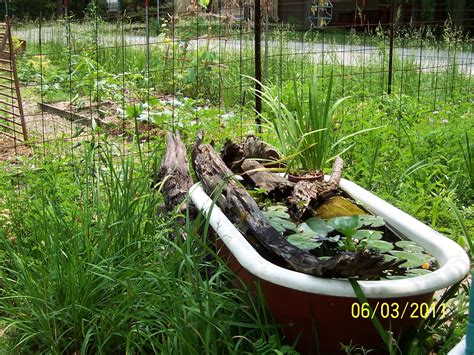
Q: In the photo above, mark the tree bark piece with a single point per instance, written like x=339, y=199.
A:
x=174, y=173
x=234, y=154
x=275, y=186
x=244, y=212
x=307, y=195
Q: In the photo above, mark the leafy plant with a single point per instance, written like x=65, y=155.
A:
x=305, y=135
x=314, y=230
x=92, y=80
x=199, y=78
x=460, y=220
x=279, y=218
x=356, y=235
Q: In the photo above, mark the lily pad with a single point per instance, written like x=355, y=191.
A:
x=388, y=257
x=304, y=241
x=338, y=206
x=279, y=218
x=380, y=245
x=314, y=225
x=371, y=221
x=367, y=234
x=408, y=245
x=282, y=225
x=345, y=225
x=412, y=259
x=277, y=211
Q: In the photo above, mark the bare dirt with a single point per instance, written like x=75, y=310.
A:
x=42, y=127
x=11, y=149
x=107, y=117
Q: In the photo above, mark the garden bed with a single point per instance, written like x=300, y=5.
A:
x=104, y=115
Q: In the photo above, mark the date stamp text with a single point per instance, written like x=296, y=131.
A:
x=395, y=310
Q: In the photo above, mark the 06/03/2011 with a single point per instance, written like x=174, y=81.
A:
x=394, y=310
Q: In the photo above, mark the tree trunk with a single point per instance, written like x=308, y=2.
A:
x=59, y=8
x=274, y=185
x=416, y=13
x=251, y=148
x=459, y=12
x=440, y=12
x=308, y=195
x=397, y=16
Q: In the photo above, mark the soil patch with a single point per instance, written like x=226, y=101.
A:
x=11, y=149
x=105, y=116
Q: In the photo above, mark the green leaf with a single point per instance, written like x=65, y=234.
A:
x=279, y=219
x=133, y=111
x=345, y=225
x=372, y=221
x=388, y=257
x=380, y=245
x=78, y=132
x=412, y=259
x=277, y=212
x=93, y=124
x=409, y=246
x=304, y=241
x=367, y=234
x=281, y=225
x=314, y=225
x=153, y=101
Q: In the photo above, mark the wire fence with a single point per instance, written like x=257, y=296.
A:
x=135, y=76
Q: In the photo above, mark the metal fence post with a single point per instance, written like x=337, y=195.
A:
x=258, y=64
x=390, y=51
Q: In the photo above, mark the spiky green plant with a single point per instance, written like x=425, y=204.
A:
x=305, y=135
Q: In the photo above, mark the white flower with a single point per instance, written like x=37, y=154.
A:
x=121, y=113
x=227, y=116
x=171, y=101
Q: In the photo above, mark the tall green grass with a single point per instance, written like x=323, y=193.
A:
x=88, y=266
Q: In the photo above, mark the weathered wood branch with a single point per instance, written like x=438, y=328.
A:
x=174, y=173
x=275, y=185
x=243, y=211
x=234, y=154
x=307, y=195
x=303, y=197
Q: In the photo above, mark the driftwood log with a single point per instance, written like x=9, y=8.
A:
x=303, y=197
x=307, y=195
x=274, y=185
x=234, y=154
x=244, y=212
x=174, y=173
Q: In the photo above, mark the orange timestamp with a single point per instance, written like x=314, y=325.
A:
x=394, y=310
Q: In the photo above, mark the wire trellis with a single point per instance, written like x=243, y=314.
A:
x=135, y=74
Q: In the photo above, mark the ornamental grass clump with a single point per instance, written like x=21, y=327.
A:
x=305, y=135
